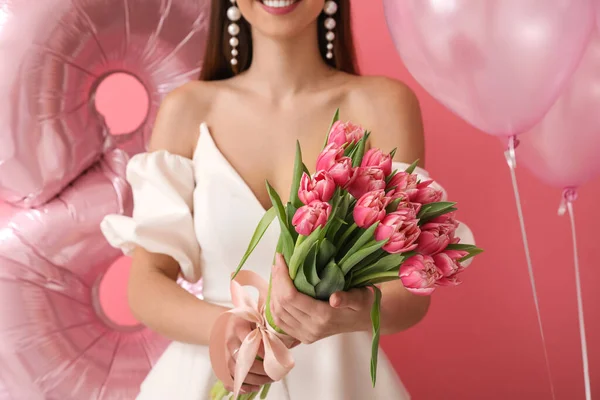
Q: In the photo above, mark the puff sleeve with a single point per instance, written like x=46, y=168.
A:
x=163, y=187
x=463, y=231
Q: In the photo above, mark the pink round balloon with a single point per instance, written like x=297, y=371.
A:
x=499, y=64
x=564, y=149
x=53, y=56
x=55, y=341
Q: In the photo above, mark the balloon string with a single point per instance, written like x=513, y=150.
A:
x=512, y=164
x=569, y=197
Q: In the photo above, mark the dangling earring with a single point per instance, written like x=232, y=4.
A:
x=234, y=15
x=330, y=9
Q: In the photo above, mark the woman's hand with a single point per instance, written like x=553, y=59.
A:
x=310, y=320
x=257, y=376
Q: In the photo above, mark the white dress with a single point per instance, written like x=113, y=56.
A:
x=203, y=214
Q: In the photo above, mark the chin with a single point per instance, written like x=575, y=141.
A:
x=280, y=18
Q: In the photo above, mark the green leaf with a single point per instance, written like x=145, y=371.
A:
x=428, y=217
x=260, y=230
x=412, y=167
x=305, y=169
x=471, y=249
x=335, y=203
x=434, y=210
x=374, y=278
x=277, y=204
x=310, y=266
x=290, y=210
x=369, y=260
x=391, y=262
x=360, y=151
x=301, y=250
x=337, y=220
x=325, y=254
x=287, y=248
x=376, y=323
x=389, y=178
x=350, y=149
x=393, y=152
x=393, y=206
x=332, y=280
x=303, y=285
x=347, y=264
x=336, y=118
x=364, y=238
x=287, y=241
x=297, y=177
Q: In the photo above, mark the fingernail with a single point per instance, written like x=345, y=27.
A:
x=334, y=301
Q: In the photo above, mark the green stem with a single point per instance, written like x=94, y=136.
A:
x=366, y=279
x=347, y=234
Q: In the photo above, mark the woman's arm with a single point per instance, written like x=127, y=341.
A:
x=155, y=298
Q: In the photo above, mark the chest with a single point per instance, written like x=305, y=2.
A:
x=261, y=145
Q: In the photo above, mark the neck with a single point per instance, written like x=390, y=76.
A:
x=283, y=67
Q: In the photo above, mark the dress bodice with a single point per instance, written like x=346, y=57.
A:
x=226, y=213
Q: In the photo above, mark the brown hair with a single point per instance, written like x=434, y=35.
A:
x=217, y=66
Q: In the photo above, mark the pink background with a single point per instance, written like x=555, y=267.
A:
x=479, y=341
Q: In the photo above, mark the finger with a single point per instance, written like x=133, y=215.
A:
x=283, y=319
x=258, y=368
x=257, y=380
x=355, y=299
x=256, y=375
x=245, y=389
x=233, y=344
x=286, y=294
x=250, y=389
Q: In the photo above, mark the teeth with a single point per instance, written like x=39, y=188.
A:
x=278, y=3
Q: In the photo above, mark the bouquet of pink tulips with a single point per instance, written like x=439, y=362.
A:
x=356, y=223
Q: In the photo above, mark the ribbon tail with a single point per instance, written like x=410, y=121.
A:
x=278, y=360
x=245, y=359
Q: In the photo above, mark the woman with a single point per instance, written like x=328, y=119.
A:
x=273, y=74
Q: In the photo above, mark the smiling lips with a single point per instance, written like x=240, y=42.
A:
x=279, y=7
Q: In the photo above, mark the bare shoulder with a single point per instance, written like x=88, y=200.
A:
x=390, y=109
x=180, y=114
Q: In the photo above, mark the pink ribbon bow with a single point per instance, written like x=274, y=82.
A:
x=278, y=361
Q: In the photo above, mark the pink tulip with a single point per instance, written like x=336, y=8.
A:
x=333, y=161
x=395, y=194
x=435, y=237
x=310, y=217
x=366, y=179
x=449, y=266
x=370, y=208
x=377, y=158
x=449, y=281
x=342, y=171
x=400, y=229
x=318, y=188
x=447, y=262
x=403, y=181
x=329, y=157
x=425, y=194
x=419, y=274
x=345, y=133
x=448, y=219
